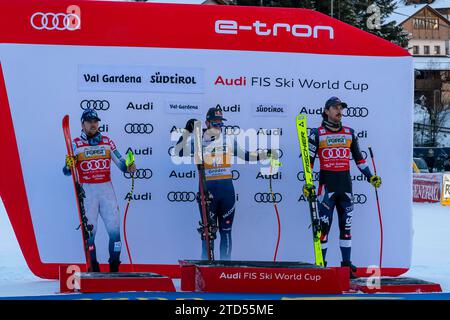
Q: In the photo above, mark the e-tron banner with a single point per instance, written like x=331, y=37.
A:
x=147, y=69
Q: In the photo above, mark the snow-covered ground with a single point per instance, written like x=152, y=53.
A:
x=430, y=261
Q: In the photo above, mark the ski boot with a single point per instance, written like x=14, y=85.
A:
x=114, y=266
x=351, y=267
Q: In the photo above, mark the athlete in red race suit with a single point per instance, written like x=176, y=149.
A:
x=333, y=144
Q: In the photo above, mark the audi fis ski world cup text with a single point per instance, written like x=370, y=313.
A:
x=285, y=82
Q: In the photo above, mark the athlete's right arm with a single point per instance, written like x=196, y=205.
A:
x=313, y=143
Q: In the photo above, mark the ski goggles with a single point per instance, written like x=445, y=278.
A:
x=217, y=124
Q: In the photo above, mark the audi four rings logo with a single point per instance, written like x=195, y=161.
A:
x=335, y=153
x=139, y=128
x=359, y=198
x=140, y=174
x=55, y=21
x=93, y=165
x=262, y=197
x=232, y=130
x=356, y=112
x=280, y=152
x=94, y=104
x=181, y=196
x=301, y=176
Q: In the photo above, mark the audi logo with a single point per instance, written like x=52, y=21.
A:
x=93, y=165
x=171, y=152
x=140, y=174
x=231, y=130
x=138, y=128
x=181, y=196
x=235, y=174
x=94, y=104
x=262, y=197
x=359, y=198
x=364, y=154
x=356, y=112
x=55, y=21
x=335, y=153
x=280, y=152
x=301, y=176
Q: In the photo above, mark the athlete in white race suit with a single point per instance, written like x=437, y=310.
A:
x=93, y=154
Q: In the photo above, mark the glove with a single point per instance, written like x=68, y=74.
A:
x=308, y=189
x=375, y=181
x=190, y=125
x=131, y=168
x=70, y=161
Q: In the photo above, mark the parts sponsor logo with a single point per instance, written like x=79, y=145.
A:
x=140, y=79
x=95, y=165
x=229, y=108
x=159, y=77
x=301, y=176
x=355, y=112
x=138, y=128
x=270, y=132
x=140, y=106
x=147, y=196
x=99, y=105
x=141, y=151
x=279, y=151
x=276, y=176
x=231, y=82
x=264, y=197
x=182, y=175
x=235, y=174
x=183, y=107
x=55, y=21
x=140, y=174
x=335, y=153
x=231, y=130
x=181, y=196
x=259, y=28
x=94, y=152
x=269, y=110
x=336, y=140
x=359, y=198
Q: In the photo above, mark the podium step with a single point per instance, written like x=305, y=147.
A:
x=100, y=282
x=393, y=285
x=262, y=277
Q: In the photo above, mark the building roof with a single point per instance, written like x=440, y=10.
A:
x=440, y=4
x=431, y=63
x=403, y=12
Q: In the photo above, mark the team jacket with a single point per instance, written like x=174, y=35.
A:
x=93, y=162
x=334, y=148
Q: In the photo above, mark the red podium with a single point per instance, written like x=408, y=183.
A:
x=262, y=277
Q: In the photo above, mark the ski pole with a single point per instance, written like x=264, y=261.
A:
x=128, y=161
x=379, y=210
x=275, y=163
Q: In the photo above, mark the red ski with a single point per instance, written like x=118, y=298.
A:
x=86, y=228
